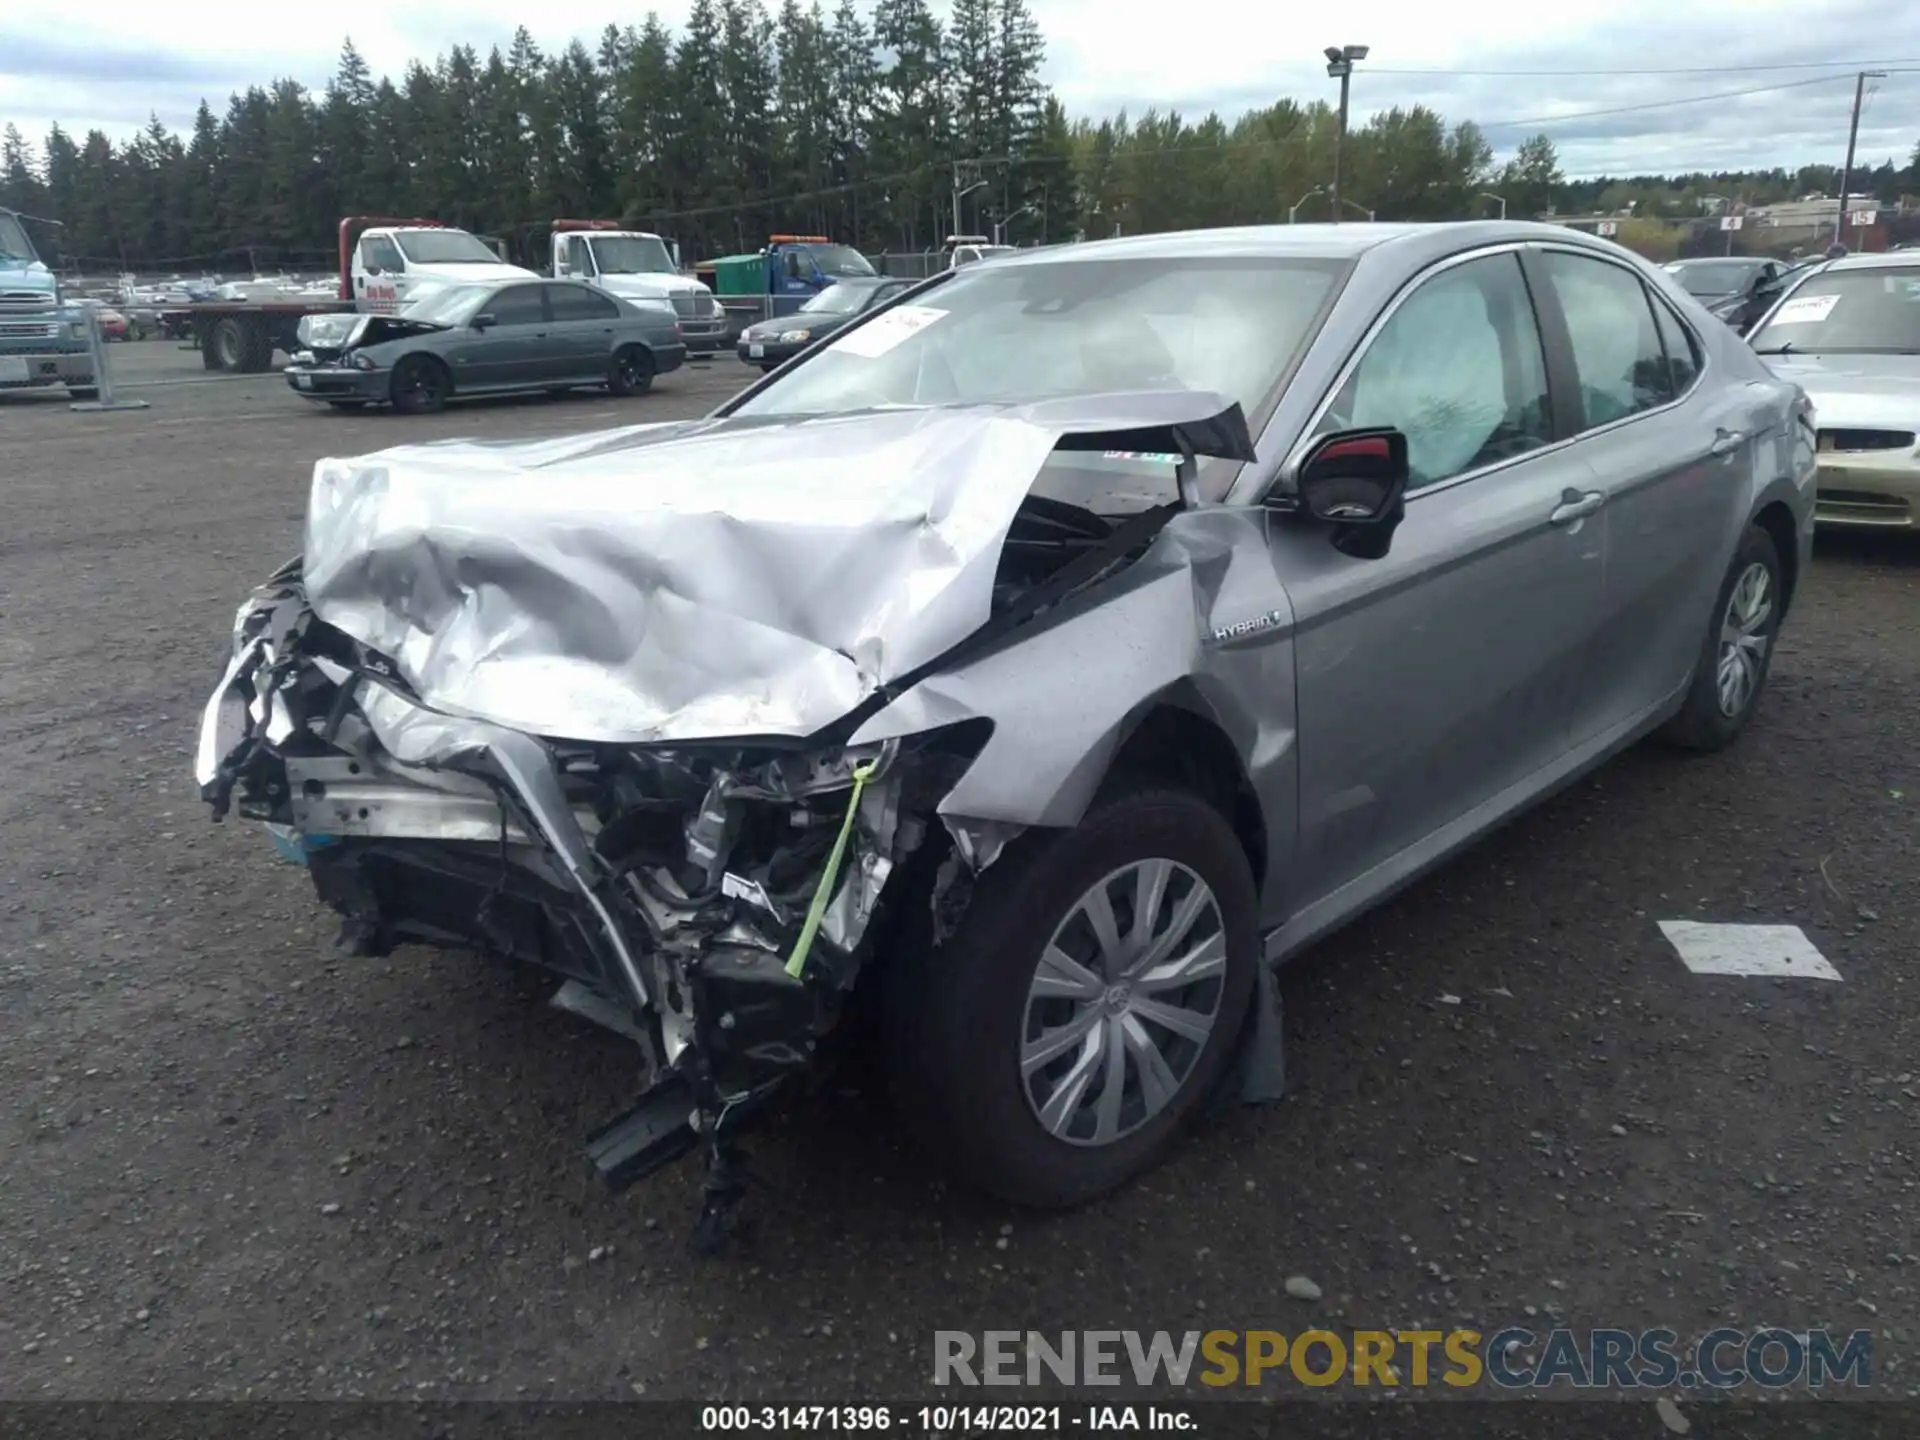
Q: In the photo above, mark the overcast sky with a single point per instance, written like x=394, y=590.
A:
x=108, y=63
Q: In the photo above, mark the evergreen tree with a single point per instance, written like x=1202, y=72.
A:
x=860, y=125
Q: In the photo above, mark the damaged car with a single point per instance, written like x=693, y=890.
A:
x=495, y=339
x=1043, y=660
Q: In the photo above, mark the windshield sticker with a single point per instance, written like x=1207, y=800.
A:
x=1806, y=309
x=886, y=330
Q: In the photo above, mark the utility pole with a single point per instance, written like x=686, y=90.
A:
x=960, y=193
x=1853, y=138
x=1340, y=65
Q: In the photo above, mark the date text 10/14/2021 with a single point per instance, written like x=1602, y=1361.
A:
x=929, y=1420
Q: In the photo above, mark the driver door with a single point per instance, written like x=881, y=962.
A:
x=517, y=349
x=1440, y=678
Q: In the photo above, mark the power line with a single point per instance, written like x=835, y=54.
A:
x=1661, y=104
x=1849, y=66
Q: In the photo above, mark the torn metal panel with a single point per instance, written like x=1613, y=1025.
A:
x=696, y=581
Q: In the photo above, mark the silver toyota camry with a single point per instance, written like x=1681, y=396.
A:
x=1013, y=680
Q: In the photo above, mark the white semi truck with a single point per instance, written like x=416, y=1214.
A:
x=638, y=265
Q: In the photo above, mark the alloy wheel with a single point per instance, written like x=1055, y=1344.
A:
x=1745, y=633
x=1123, y=1002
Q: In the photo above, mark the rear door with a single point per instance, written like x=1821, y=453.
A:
x=1668, y=447
x=583, y=328
x=1436, y=680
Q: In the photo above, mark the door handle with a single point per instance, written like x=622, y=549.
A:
x=1575, y=506
x=1726, y=441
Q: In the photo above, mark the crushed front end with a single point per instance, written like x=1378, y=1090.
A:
x=714, y=903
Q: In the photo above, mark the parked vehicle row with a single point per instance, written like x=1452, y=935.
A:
x=1044, y=656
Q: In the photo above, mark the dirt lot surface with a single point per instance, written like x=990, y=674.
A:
x=234, y=1165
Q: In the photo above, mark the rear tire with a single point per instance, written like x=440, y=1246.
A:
x=420, y=385
x=1737, y=653
x=631, y=371
x=229, y=345
x=963, y=1019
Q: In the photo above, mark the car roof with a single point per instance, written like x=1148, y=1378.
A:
x=1880, y=260
x=1310, y=242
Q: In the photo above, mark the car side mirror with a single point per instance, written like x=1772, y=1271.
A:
x=1356, y=482
x=482, y=322
x=373, y=269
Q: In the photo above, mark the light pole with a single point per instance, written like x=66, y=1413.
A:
x=959, y=195
x=1294, y=208
x=1356, y=205
x=1500, y=200
x=1340, y=61
x=1853, y=136
x=1000, y=225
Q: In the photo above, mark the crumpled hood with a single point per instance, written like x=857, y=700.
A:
x=1856, y=391
x=696, y=580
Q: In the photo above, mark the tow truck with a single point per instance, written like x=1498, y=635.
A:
x=43, y=337
x=386, y=263
x=638, y=265
x=779, y=279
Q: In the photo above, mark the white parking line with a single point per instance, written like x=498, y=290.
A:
x=1780, y=951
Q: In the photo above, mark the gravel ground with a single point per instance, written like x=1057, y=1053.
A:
x=234, y=1165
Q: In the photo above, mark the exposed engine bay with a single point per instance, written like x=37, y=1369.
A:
x=713, y=899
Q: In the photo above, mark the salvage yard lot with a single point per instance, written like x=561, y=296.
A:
x=233, y=1164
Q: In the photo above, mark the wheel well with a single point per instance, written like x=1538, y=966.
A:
x=1188, y=749
x=427, y=358
x=1777, y=521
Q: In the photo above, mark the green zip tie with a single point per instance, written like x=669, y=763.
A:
x=823, y=892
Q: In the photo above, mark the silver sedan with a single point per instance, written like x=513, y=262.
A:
x=1849, y=335
x=1048, y=655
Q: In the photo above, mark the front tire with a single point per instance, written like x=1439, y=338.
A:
x=1087, y=1003
x=420, y=386
x=631, y=372
x=83, y=392
x=1737, y=655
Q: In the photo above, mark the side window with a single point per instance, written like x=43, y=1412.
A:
x=1683, y=354
x=518, y=305
x=577, y=302
x=882, y=294
x=1458, y=370
x=379, y=253
x=1616, y=350
x=582, y=257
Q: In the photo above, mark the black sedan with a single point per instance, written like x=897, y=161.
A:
x=1736, y=289
x=773, y=342
x=486, y=340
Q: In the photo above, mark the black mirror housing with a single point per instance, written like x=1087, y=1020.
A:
x=1356, y=481
x=482, y=322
